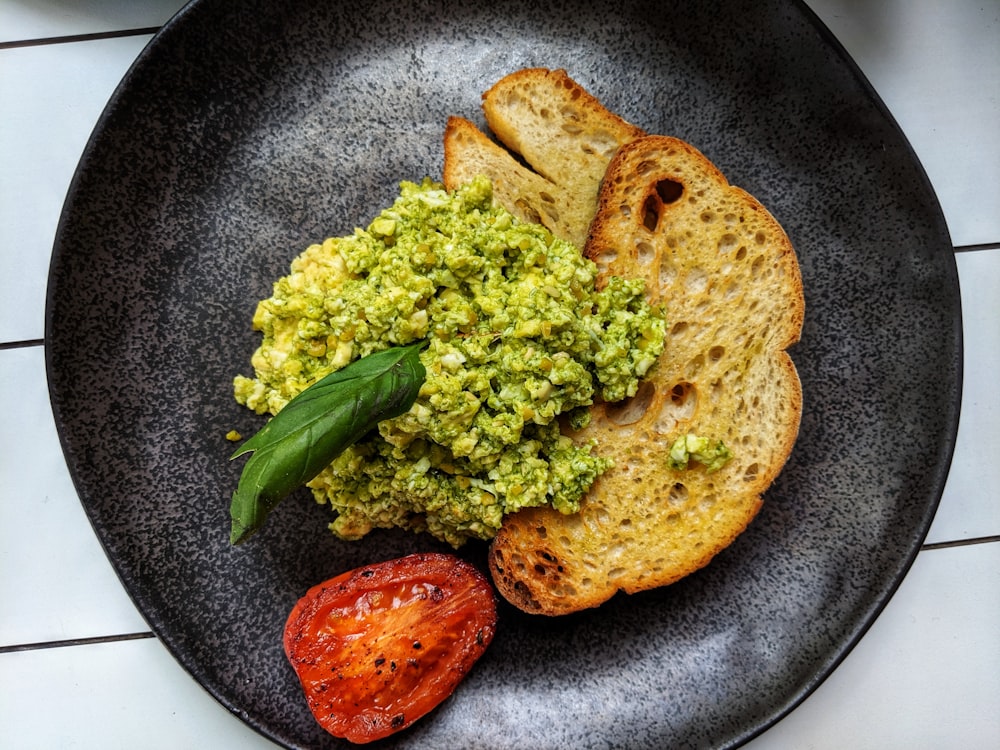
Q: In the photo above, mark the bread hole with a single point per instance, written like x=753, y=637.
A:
x=547, y=559
x=551, y=211
x=563, y=589
x=664, y=193
x=667, y=273
x=523, y=595
x=651, y=213
x=696, y=363
x=616, y=573
x=679, y=407
x=729, y=220
x=683, y=399
x=569, y=113
x=605, y=257
x=716, y=353
x=756, y=266
x=707, y=217
x=678, y=328
x=669, y=191
x=546, y=197
x=541, y=531
x=760, y=237
x=530, y=214
x=631, y=410
x=517, y=562
x=644, y=253
x=625, y=210
x=750, y=473
x=678, y=494
x=741, y=253
x=572, y=128
x=716, y=389
x=645, y=167
x=728, y=242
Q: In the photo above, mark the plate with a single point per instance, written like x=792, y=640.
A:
x=248, y=130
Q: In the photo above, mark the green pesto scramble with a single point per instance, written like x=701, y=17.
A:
x=516, y=335
x=712, y=454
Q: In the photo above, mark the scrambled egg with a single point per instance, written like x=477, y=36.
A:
x=517, y=335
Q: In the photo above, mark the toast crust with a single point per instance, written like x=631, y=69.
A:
x=554, y=143
x=729, y=279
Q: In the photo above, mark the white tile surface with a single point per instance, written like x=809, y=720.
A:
x=64, y=586
x=935, y=66
x=127, y=695
x=968, y=509
x=51, y=97
x=40, y=19
x=927, y=674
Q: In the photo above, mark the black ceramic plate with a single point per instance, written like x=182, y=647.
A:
x=247, y=130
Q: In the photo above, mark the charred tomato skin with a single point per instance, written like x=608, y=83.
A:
x=380, y=646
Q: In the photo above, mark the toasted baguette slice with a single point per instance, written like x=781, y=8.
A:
x=559, y=139
x=530, y=197
x=729, y=280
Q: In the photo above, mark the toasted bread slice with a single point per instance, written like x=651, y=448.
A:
x=529, y=196
x=729, y=280
x=557, y=141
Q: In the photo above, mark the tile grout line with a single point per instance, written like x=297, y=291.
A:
x=148, y=634
x=42, y=41
x=993, y=539
x=978, y=247
x=76, y=642
x=21, y=344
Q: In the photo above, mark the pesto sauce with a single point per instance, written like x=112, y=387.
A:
x=517, y=335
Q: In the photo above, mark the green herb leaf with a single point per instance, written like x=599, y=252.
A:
x=316, y=426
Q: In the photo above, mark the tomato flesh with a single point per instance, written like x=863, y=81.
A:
x=378, y=647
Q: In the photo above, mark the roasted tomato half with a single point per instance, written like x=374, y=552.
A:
x=378, y=647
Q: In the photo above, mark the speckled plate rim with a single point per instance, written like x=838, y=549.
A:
x=948, y=443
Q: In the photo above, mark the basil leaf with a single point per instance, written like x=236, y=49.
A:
x=316, y=426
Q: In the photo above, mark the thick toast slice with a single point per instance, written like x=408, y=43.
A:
x=729, y=279
x=557, y=140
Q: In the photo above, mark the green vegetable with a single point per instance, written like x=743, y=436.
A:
x=316, y=426
x=712, y=454
x=517, y=334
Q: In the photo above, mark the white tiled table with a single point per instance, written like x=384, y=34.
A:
x=78, y=666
